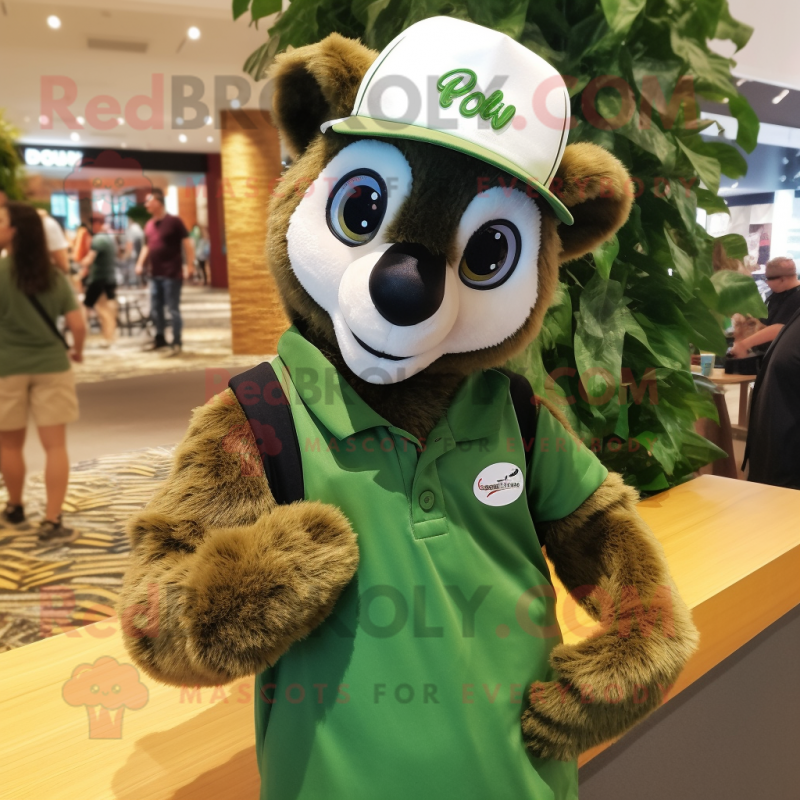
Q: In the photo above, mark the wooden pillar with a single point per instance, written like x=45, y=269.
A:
x=216, y=223
x=251, y=163
x=187, y=204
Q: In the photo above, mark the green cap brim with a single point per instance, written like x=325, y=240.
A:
x=367, y=126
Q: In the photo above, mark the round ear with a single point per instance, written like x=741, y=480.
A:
x=597, y=189
x=314, y=84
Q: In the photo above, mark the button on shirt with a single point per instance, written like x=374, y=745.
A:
x=414, y=685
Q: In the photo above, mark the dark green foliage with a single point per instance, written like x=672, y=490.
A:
x=637, y=322
x=11, y=173
x=138, y=213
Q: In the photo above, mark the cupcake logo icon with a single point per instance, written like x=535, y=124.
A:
x=106, y=688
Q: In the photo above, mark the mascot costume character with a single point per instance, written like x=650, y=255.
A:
x=360, y=523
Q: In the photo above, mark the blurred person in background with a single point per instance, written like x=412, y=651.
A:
x=166, y=238
x=35, y=371
x=101, y=286
x=773, y=432
x=134, y=242
x=781, y=276
x=203, y=251
x=57, y=243
x=83, y=241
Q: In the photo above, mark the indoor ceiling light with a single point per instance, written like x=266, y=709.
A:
x=75, y=136
x=193, y=32
x=779, y=97
x=179, y=121
x=124, y=146
x=54, y=22
x=44, y=120
x=182, y=138
x=120, y=120
x=235, y=103
x=208, y=120
x=81, y=120
x=209, y=138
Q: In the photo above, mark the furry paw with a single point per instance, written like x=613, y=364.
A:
x=607, y=684
x=255, y=590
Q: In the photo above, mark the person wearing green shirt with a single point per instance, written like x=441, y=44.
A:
x=98, y=267
x=35, y=373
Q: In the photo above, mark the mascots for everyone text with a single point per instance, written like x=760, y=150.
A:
x=399, y=615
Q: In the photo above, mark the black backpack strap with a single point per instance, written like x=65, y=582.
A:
x=525, y=406
x=266, y=407
x=46, y=317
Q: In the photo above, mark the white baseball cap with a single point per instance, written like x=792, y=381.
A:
x=460, y=85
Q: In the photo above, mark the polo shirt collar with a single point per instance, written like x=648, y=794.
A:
x=475, y=412
x=323, y=389
x=477, y=409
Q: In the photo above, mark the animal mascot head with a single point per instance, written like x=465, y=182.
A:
x=445, y=196
x=398, y=613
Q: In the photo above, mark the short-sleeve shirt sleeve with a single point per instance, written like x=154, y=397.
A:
x=562, y=473
x=782, y=306
x=55, y=236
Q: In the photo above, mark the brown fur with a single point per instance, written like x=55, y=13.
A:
x=237, y=580
x=597, y=190
x=605, y=544
x=254, y=590
x=314, y=84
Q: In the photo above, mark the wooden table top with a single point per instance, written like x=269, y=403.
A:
x=719, y=376
x=734, y=550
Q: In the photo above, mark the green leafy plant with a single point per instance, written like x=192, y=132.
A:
x=615, y=347
x=11, y=172
x=139, y=213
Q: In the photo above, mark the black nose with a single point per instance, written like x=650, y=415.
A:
x=407, y=284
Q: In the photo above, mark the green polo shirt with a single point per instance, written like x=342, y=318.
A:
x=27, y=345
x=102, y=269
x=414, y=686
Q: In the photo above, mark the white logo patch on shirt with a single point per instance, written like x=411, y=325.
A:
x=499, y=484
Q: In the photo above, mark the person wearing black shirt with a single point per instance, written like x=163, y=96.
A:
x=773, y=433
x=781, y=275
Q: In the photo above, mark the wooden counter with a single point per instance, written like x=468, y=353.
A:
x=734, y=549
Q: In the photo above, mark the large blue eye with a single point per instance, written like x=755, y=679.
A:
x=356, y=207
x=491, y=255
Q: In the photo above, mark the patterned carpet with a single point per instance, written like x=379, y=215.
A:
x=46, y=590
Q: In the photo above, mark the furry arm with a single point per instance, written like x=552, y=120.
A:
x=221, y=580
x=611, y=563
